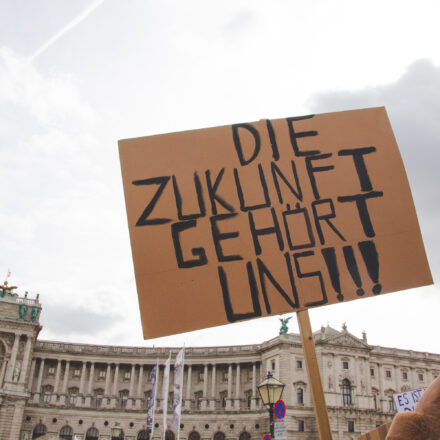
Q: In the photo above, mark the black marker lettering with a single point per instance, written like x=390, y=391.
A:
x=237, y=142
x=361, y=204
x=243, y=206
x=276, y=172
x=295, y=135
x=176, y=229
x=265, y=231
x=212, y=192
x=202, y=210
x=359, y=163
x=161, y=181
x=311, y=170
x=326, y=218
x=298, y=212
x=273, y=140
x=218, y=237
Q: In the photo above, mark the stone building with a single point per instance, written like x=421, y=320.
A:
x=65, y=389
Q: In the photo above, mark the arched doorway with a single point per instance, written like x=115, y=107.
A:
x=66, y=433
x=219, y=436
x=244, y=436
x=143, y=435
x=194, y=435
x=92, y=434
x=39, y=431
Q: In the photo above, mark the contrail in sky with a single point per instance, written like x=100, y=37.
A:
x=78, y=19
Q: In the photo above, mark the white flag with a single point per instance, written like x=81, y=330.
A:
x=178, y=383
x=166, y=380
x=152, y=401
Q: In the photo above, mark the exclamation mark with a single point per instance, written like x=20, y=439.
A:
x=371, y=258
x=350, y=260
x=332, y=267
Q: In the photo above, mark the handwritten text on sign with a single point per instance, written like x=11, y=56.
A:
x=241, y=221
x=407, y=401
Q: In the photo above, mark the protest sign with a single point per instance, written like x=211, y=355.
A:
x=407, y=401
x=256, y=219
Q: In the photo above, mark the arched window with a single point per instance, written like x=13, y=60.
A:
x=121, y=436
x=300, y=396
x=92, y=434
x=219, y=436
x=346, y=392
x=169, y=435
x=66, y=433
x=194, y=435
x=39, y=430
x=143, y=435
x=244, y=436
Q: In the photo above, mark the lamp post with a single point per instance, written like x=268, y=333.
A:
x=116, y=431
x=270, y=391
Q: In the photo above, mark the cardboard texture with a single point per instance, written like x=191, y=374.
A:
x=236, y=222
x=379, y=433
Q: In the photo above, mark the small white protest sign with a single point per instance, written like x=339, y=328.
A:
x=407, y=401
x=280, y=430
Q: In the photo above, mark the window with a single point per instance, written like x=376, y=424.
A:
x=219, y=436
x=51, y=370
x=301, y=425
x=101, y=374
x=273, y=365
x=420, y=377
x=388, y=374
x=350, y=426
x=299, y=364
x=66, y=433
x=404, y=375
x=76, y=372
x=198, y=395
x=248, y=397
x=223, y=395
x=39, y=431
x=201, y=376
x=390, y=403
x=170, y=400
x=73, y=394
x=244, y=436
x=47, y=393
x=143, y=435
x=225, y=376
x=194, y=435
x=345, y=365
x=375, y=401
x=300, y=396
x=169, y=435
x=372, y=372
x=92, y=434
x=346, y=392
x=123, y=395
x=127, y=374
x=99, y=394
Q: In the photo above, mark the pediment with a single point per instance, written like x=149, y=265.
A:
x=346, y=340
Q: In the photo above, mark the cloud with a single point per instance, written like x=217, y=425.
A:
x=413, y=106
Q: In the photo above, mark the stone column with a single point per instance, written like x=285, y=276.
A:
x=2, y=372
x=31, y=375
x=107, y=380
x=24, y=365
x=380, y=404
x=90, y=385
x=213, y=385
x=139, y=395
x=11, y=364
x=229, y=399
x=205, y=388
x=115, y=387
x=131, y=397
x=188, y=387
x=254, y=386
x=57, y=383
x=82, y=382
x=40, y=378
x=237, y=388
x=64, y=387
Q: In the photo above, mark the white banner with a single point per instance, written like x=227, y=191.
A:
x=166, y=380
x=152, y=400
x=178, y=383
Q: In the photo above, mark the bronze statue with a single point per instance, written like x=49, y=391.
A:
x=284, y=329
x=5, y=289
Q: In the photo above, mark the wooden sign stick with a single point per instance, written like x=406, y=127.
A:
x=316, y=389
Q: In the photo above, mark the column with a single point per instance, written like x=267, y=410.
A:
x=107, y=380
x=205, y=388
x=11, y=364
x=90, y=385
x=237, y=388
x=2, y=372
x=139, y=395
x=31, y=375
x=188, y=387
x=57, y=383
x=213, y=385
x=229, y=399
x=24, y=365
x=40, y=378
x=82, y=384
x=115, y=387
x=254, y=386
x=131, y=397
x=64, y=387
x=380, y=404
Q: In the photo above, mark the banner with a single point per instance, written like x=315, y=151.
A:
x=178, y=383
x=166, y=379
x=270, y=217
x=152, y=401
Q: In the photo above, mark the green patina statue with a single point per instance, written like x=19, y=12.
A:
x=34, y=313
x=284, y=329
x=22, y=309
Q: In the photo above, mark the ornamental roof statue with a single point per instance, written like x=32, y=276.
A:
x=5, y=289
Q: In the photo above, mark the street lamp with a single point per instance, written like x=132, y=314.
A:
x=116, y=431
x=270, y=391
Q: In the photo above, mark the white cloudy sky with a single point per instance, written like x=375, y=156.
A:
x=76, y=76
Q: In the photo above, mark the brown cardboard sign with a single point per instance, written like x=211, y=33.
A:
x=256, y=219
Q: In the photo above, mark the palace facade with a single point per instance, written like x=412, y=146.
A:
x=62, y=390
